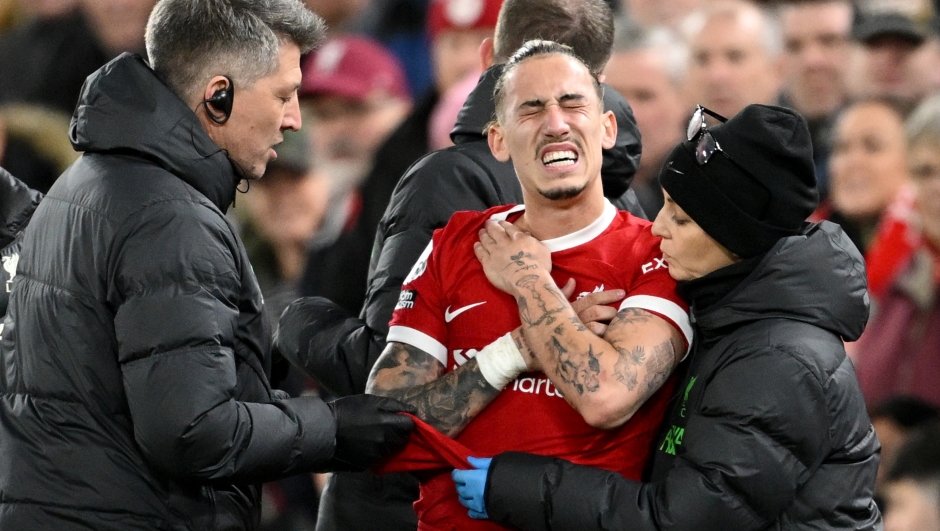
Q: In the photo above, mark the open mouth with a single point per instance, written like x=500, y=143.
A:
x=559, y=159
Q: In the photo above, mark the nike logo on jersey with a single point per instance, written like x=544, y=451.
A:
x=449, y=316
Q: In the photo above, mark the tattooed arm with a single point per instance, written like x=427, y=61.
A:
x=606, y=379
x=446, y=401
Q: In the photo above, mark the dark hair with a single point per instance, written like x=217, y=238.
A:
x=919, y=457
x=535, y=48
x=585, y=25
x=189, y=42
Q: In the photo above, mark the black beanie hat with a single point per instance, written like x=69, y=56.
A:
x=765, y=194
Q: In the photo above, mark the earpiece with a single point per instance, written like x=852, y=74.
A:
x=221, y=101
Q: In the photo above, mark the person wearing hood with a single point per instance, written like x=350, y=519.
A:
x=768, y=429
x=338, y=349
x=137, y=390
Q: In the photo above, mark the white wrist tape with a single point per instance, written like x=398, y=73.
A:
x=500, y=362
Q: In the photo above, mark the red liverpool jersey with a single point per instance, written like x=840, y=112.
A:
x=450, y=310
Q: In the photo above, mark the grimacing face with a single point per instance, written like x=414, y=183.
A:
x=260, y=114
x=553, y=128
x=689, y=252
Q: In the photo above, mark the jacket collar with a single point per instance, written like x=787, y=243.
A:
x=816, y=277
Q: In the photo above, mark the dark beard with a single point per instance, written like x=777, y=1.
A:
x=560, y=194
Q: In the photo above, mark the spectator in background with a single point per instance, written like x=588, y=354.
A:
x=647, y=66
x=281, y=215
x=893, y=419
x=398, y=24
x=355, y=93
x=913, y=487
x=47, y=60
x=867, y=168
x=734, y=56
x=44, y=64
x=444, y=116
x=652, y=13
x=338, y=14
x=339, y=272
x=900, y=52
x=899, y=353
x=817, y=40
x=34, y=144
x=456, y=29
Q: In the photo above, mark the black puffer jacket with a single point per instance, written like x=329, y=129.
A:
x=17, y=203
x=134, y=393
x=769, y=430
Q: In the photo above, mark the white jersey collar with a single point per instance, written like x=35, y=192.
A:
x=576, y=238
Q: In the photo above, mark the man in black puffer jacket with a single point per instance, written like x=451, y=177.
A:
x=135, y=393
x=339, y=350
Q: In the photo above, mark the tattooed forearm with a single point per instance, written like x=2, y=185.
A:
x=546, y=315
x=578, y=325
x=581, y=376
x=627, y=367
x=448, y=402
x=660, y=365
x=452, y=401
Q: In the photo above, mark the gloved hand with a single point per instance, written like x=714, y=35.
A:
x=369, y=429
x=471, y=486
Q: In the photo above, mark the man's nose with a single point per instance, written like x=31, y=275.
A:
x=556, y=122
x=292, y=119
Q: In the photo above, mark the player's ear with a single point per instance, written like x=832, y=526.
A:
x=486, y=53
x=497, y=141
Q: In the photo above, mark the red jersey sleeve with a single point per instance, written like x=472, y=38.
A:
x=653, y=290
x=418, y=318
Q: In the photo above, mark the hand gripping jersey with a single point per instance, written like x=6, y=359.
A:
x=450, y=310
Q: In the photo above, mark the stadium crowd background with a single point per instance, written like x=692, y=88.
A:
x=387, y=88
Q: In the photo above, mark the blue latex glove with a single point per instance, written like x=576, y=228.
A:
x=470, y=486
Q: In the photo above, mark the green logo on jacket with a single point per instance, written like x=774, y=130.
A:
x=676, y=433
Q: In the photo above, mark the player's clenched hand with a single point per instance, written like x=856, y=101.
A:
x=509, y=255
x=592, y=309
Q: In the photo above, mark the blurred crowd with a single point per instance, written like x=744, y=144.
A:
x=387, y=87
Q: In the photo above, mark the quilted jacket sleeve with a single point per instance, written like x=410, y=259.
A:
x=175, y=290
x=763, y=429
